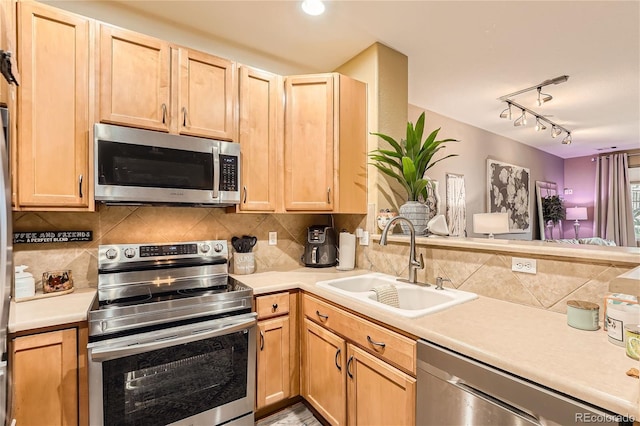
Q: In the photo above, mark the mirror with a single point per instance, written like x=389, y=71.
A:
x=544, y=189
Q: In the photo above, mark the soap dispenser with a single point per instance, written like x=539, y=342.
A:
x=25, y=285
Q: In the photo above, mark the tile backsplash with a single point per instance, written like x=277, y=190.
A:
x=484, y=272
x=489, y=274
x=116, y=224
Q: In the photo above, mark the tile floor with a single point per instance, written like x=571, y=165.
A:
x=296, y=415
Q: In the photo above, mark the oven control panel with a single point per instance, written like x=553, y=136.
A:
x=123, y=253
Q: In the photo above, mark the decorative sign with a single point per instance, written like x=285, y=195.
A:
x=51, y=237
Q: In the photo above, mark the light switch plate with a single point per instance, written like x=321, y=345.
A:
x=521, y=264
x=273, y=238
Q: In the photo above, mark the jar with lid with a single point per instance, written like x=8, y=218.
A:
x=25, y=284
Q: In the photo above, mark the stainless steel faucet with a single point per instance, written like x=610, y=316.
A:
x=414, y=264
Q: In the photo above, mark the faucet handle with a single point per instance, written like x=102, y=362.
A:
x=421, y=262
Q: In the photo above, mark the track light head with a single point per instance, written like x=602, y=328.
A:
x=555, y=131
x=543, y=97
x=540, y=125
x=507, y=112
x=567, y=139
x=521, y=121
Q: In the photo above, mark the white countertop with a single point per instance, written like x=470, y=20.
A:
x=529, y=342
x=51, y=311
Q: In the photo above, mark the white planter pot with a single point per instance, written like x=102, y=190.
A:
x=417, y=213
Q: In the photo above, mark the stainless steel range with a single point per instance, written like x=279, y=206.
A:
x=171, y=337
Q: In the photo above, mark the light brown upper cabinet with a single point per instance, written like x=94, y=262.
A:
x=207, y=95
x=148, y=83
x=7, y=41
x=260, y=136
x=325, y=144
x=54, y=109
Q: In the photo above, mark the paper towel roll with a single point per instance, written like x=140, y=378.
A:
x=347, y=257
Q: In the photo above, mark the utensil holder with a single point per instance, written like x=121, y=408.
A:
x=244, y=263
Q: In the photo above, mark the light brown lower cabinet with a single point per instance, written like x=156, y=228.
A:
x=323, y=372
x=45, y=378
x=273, y=361
x=277, y=361
x=377, y=393
x=346, y=384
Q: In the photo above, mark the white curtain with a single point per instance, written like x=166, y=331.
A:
x=612, y=218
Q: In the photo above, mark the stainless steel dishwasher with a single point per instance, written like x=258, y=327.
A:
x=456, y=390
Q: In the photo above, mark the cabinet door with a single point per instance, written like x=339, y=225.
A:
x=7, y=41
x=54, y=108
x=323, y=372
x=309, y=143
x=378, y=393
x=273, y=361
x=135, y=74
x=207, y=95
x=45, y=378
x=260, y=129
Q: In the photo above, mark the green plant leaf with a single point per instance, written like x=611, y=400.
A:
x=410, y=158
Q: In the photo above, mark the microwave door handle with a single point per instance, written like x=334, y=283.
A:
x=216, y=171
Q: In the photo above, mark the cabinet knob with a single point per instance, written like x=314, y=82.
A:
x=274, y=306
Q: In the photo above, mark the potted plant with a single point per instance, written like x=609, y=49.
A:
x=552, y=213
x=407, y=163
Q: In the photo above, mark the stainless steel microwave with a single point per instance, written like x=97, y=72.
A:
x=134, y=166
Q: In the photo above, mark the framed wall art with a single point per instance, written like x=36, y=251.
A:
x=508, y=192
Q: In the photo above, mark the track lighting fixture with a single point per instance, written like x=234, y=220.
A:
x=543, y=97
x=507, y=112
x=556, y=129
x=556, y=80
x=521, y=121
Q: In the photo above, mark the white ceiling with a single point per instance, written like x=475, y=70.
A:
x=463, y=55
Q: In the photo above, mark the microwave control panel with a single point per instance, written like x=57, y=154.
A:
x=228, y=173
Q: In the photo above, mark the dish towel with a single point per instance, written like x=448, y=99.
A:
x=387, y=294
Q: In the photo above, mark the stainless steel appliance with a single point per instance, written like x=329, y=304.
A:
x=456, y=390
x=320, y=251
x=134, y=166
x=6, y=266
x=172, y=338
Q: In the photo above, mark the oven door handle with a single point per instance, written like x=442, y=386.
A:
x=106, y=353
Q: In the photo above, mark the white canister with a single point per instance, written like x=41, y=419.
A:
x=25, y=284
x=619, y=314
x=244, y=263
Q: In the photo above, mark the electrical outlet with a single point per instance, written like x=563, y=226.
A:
x=273, y=238
x=521, y=264
x=568, y=191
x=364, y=240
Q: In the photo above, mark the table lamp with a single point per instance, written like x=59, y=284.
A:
x=576, y=214
x=491, y=223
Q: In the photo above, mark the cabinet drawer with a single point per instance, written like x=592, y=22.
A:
x=272, y=305
x=386, y=344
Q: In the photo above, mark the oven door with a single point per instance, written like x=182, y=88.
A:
x=200, y=373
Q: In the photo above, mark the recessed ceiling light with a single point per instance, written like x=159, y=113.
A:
x=313, y=7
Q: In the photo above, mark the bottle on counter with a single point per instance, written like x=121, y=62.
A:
x=25, y=284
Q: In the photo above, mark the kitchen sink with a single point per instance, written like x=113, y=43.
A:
x=414, y=300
